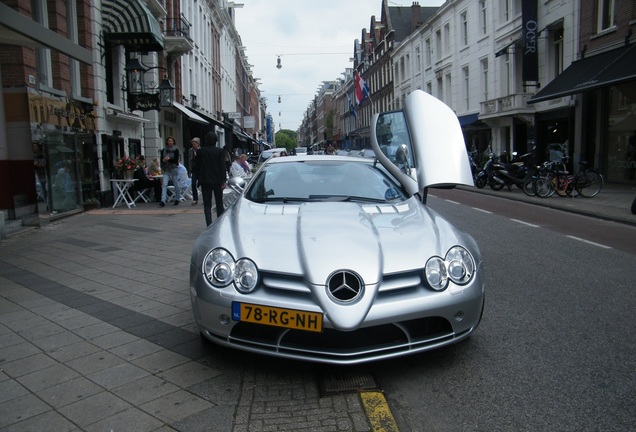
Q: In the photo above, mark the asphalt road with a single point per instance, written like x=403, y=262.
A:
x=555, y=349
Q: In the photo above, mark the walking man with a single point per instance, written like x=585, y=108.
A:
x=210, y=169
x=192, y=154
x=170, y=167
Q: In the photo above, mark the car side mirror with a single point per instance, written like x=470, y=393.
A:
x=237, y=184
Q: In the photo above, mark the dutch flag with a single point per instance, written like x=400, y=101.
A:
x=361, y=87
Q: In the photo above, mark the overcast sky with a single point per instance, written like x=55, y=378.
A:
x=314, y=39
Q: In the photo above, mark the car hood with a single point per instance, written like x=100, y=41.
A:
x=314, y=240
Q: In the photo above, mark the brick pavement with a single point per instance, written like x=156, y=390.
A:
x=96, y=333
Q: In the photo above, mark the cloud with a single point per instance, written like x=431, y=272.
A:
x=315, y=40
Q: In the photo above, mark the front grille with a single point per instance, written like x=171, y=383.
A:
x=338, y=346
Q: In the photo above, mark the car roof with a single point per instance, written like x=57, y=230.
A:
x=275, y=150
x=322, y=157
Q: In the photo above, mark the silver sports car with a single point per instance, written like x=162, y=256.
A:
x=337, y=259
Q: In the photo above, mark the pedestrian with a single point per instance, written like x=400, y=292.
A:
x=211, y=173
x=144, y=181
x=170, y=167
x=227, y=154
x=192, y=154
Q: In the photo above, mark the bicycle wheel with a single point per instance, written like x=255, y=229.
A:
x=544, y=187
x=528, y=186
x=589, y=183
x=565, y=186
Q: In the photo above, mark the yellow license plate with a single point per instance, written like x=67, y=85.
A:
x=278, y=317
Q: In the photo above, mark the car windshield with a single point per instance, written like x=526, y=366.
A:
x=323, y=181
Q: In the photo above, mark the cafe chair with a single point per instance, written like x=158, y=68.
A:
x=142, y=194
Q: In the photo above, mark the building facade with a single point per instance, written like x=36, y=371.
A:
x=91, y=81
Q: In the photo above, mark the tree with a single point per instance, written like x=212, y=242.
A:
x=286, y=138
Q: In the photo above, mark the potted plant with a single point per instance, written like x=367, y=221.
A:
x=125, y=167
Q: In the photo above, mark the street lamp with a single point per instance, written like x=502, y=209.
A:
x=146, y=99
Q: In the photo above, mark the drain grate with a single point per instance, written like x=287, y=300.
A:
x=338, y=381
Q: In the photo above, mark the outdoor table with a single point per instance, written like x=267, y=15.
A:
x=123, y=187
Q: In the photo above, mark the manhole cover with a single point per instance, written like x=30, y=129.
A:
x=333, y=382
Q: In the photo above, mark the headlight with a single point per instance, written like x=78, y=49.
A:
x=458, y=266
x=221, y=270
x=436, y=273
x=245, y=275
x=218, y=267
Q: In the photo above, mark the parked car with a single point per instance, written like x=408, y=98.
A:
x=367, y=153
x=266, y=154
x=352, y=265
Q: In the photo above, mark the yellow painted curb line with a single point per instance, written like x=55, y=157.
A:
x=378, y=412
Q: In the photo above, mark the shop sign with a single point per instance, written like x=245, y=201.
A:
x=144, y=101
x=62, y=113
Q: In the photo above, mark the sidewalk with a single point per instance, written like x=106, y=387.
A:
x=613, y=203
x=97, y=334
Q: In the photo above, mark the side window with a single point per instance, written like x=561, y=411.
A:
x=394, y=140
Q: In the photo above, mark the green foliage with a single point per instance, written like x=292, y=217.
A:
x=286, y=138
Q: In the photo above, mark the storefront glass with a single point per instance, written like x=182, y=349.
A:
x=64, y=189
x=621, y=136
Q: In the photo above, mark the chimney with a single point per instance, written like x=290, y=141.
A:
x=416, y=16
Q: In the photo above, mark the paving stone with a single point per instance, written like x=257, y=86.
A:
x=145, y=390
x=19, y=351
x=94, y=362
x=117, y=375
x=49, y=421
x=73, y=351
x=69, y=392
x=114, y=339
x=28, y=365
x=11, y=389
x=48, y=377
x=160, y=361
x=94, y=408
x=175, y=406
x=136, y=349
x=188, y=374
x=129, y=420
x=21, y=408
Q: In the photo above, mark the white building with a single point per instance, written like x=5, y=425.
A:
x=470, y=55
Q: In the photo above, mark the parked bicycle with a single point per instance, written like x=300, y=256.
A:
x=588, y=182
x=553, y=177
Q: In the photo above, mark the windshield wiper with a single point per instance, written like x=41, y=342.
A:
x=347, y=198
x=281, y=199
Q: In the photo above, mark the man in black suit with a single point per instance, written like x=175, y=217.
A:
x=210, y=170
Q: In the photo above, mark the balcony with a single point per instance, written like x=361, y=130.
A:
x=176, y=36
x=505, y=106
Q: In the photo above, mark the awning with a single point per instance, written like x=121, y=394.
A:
x=468, y=119
x=210, y=120
x=242, y=136
x=594, y=72
x=130, y=23
x=189, y=114
x=504, y=50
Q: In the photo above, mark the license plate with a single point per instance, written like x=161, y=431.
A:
x=278, y=317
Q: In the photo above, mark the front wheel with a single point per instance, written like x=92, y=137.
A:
x=495, y=185
x=544, y=187
x=481, y=181
x=528, y=186
x=589, y=183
